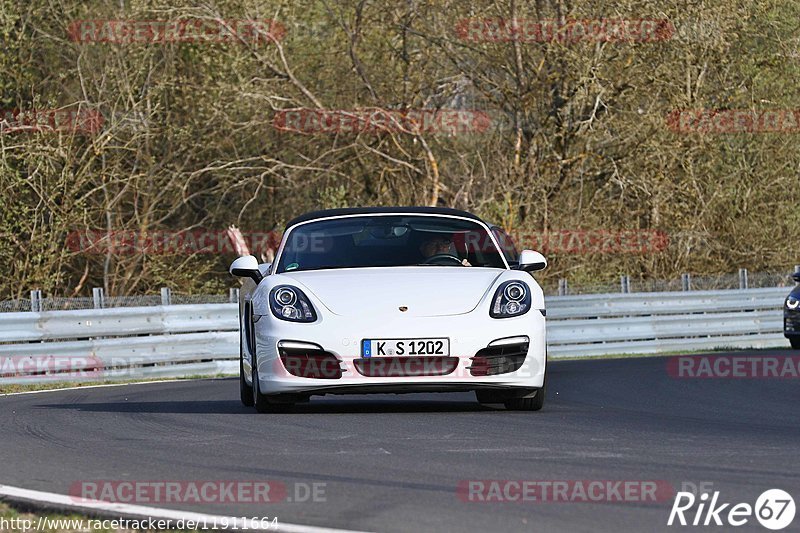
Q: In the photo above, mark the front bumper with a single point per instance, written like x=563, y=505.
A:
x=469, y=334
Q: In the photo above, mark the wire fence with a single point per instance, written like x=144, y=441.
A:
x=562, y=287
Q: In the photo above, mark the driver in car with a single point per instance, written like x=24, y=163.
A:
x=439, y=245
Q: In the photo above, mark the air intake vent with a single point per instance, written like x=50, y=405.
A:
x=498, y=359
x=310, y=363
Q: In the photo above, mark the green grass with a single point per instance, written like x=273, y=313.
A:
x=14, y=519
x=663, y=354
x=21, y=387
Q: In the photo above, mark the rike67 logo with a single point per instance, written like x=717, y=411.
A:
x=774, y=509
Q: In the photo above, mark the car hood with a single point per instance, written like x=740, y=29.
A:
x=425, y=291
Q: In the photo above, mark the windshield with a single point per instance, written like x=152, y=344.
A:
x=385, y=241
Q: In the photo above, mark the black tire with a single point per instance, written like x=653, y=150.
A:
x=487, y=397
x=528, y=404
x=260, y=401
x=245, y=390
x=795, y=343
x=279, y=403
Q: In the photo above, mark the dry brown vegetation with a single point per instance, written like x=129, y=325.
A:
x=578, y=140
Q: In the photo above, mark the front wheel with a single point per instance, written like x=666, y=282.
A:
x=509, y=399
x=245, y=390
x=528, y=404
x=260, y=401
x=279, y=403
x=795, y=343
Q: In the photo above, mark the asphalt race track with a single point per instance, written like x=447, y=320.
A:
x=393, y=463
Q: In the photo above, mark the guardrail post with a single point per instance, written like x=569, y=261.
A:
x=743, y=278
x=233, y=295
x=686, y=282
x=99, y=298
x=36, y=301
x=625, y=283
x=166, y=296
x=563, y=289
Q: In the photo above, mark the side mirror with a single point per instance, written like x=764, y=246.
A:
x=530, y=261
x=796, y=277
x=247, y=267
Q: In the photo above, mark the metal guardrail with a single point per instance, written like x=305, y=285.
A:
x=687, y=282
x=120, y=321
x=202, y=339
x=591, y=325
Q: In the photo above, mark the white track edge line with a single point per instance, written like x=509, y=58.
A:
x=77, y=504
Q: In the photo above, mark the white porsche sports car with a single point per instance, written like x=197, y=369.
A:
x=392, y=300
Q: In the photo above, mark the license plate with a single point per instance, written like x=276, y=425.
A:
x=404, y=347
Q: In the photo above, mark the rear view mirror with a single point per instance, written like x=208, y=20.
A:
x=530, y=261
x=796, y=277
x=247, y=267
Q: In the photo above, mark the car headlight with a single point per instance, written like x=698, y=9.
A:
x=289, y=303
x=512, y=298
x=792, y=302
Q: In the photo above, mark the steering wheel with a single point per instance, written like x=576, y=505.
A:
x=442, y=259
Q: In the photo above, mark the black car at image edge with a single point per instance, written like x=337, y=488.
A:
x=791, y=314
